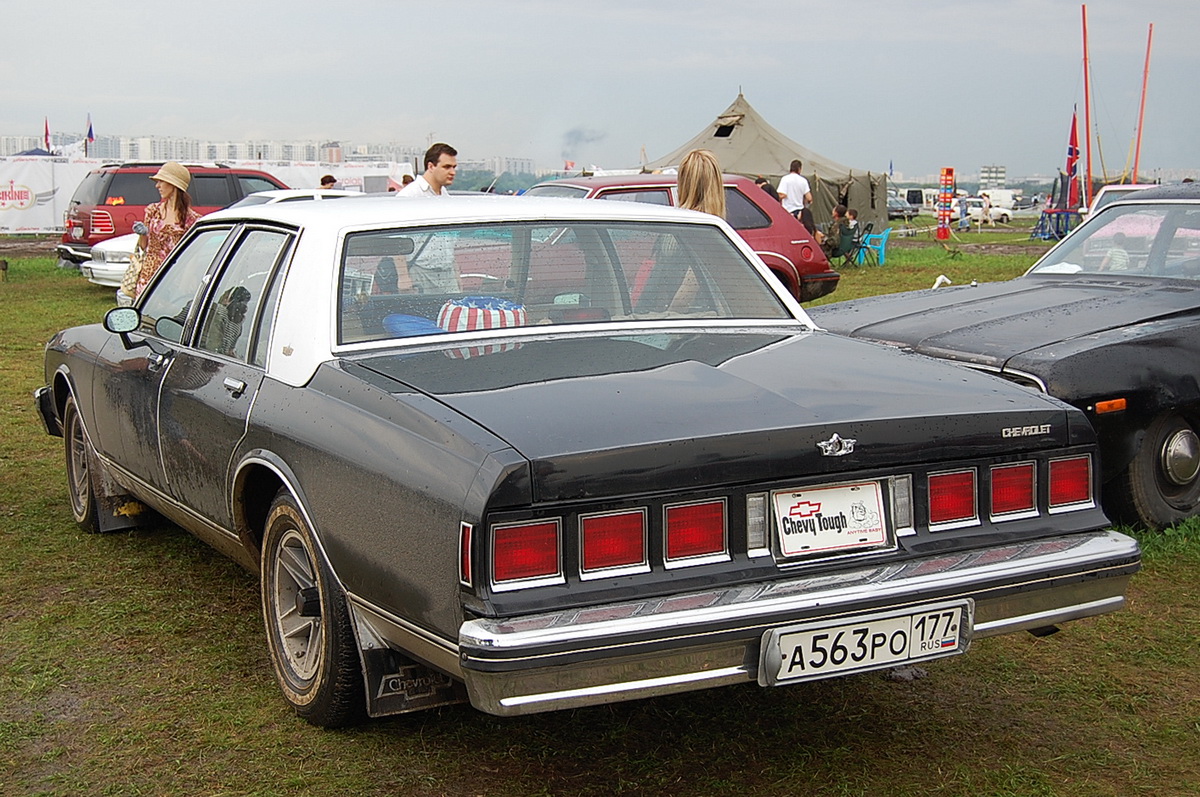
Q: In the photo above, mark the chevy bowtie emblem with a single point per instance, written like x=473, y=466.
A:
x=837, y=446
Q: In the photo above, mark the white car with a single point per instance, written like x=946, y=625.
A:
x=110, y=259
x=975, y=211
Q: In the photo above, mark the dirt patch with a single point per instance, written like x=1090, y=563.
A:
x=26, y=246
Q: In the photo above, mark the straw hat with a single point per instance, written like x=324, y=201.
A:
x=174, y=174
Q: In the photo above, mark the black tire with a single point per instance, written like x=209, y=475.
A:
x=80, y=483
x=309, y=636
x=1161, y=486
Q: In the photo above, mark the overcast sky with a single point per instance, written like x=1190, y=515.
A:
x=919, y=84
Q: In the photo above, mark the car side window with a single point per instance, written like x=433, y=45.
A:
x=233, y=305
x=169, y=298
x=742, y=213
x=250, y=184
x=211, y=190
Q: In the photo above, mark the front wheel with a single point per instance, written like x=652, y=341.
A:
x=1161, y=486
x=309, y=635
x=80, y=485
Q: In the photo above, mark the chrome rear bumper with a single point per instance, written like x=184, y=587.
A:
x=678, y=643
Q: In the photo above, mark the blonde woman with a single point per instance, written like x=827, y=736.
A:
x=166, y=220
x=700, y=185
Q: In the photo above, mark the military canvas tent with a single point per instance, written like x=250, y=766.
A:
x=746, y=144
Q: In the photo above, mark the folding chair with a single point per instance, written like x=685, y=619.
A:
x=861, y=232
x=873, y=248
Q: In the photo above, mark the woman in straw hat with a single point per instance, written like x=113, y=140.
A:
x=166, y=220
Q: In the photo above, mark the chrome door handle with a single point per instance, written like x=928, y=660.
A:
x=235, y=386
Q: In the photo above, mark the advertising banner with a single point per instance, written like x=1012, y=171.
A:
x=36, y=191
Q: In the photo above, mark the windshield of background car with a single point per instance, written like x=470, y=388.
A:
x=131, y=188
x=1160, y=240
x=428, y=281
x=569, y=191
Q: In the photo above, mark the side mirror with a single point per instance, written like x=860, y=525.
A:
x=122, y=320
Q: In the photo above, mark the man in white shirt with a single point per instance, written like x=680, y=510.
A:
x=441, y=161
x=794, y=190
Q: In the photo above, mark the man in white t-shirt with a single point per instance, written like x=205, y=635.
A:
x=441, y=161
x=794, y=190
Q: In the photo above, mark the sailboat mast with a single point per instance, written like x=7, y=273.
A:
x=1087, y=112
x=1137, y=149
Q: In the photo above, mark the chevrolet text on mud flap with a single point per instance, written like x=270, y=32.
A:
x=1025, y=431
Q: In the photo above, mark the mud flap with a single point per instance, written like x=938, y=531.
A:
x=396, y=684
x=116, y=510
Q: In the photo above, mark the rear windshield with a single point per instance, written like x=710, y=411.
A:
x=131, y=188
x=428, y=281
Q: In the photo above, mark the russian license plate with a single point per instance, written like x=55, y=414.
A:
x=824, y=520
x=869, y=642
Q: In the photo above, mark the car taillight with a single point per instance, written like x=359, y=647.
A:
x=464, y=554
x=694, y=530
x=1070, y=482
x=1013, y=489
x=613, y=540
x=102, y=223
x=952, y=497
x=525, y=551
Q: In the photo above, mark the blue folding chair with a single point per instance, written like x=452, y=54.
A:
x=872, y=248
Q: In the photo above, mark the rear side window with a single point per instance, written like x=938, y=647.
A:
x=209, y=190
x=90, y=190
x=131, y=188
x=742, y=213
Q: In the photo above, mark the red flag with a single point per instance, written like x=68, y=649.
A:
x=1072, y=170
x=568, y=165
x=47, y=133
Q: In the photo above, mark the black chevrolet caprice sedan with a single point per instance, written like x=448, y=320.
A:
x=536, y=454
x=1108, y=320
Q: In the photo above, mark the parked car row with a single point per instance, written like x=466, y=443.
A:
x=536, y=454
x=111, y=198
x=109, y=259
x=1108, y=320
x=776, y=236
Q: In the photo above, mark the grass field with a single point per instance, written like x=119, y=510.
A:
x=134, y=663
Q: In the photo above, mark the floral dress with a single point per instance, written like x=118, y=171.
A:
x=161, y=238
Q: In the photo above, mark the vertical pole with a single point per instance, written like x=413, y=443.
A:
x=1137, y=149
x=1087, y=112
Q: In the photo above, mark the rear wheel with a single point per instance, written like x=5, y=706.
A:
x=79, y=469
x=1161, y=486
x=309, y=635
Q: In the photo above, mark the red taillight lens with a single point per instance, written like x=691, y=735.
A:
x=1013, y=489
x=616, y=540
x=1070, y=481
x=464, y=553
x=528, y=550
x=951, y=497
x=695, y=530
